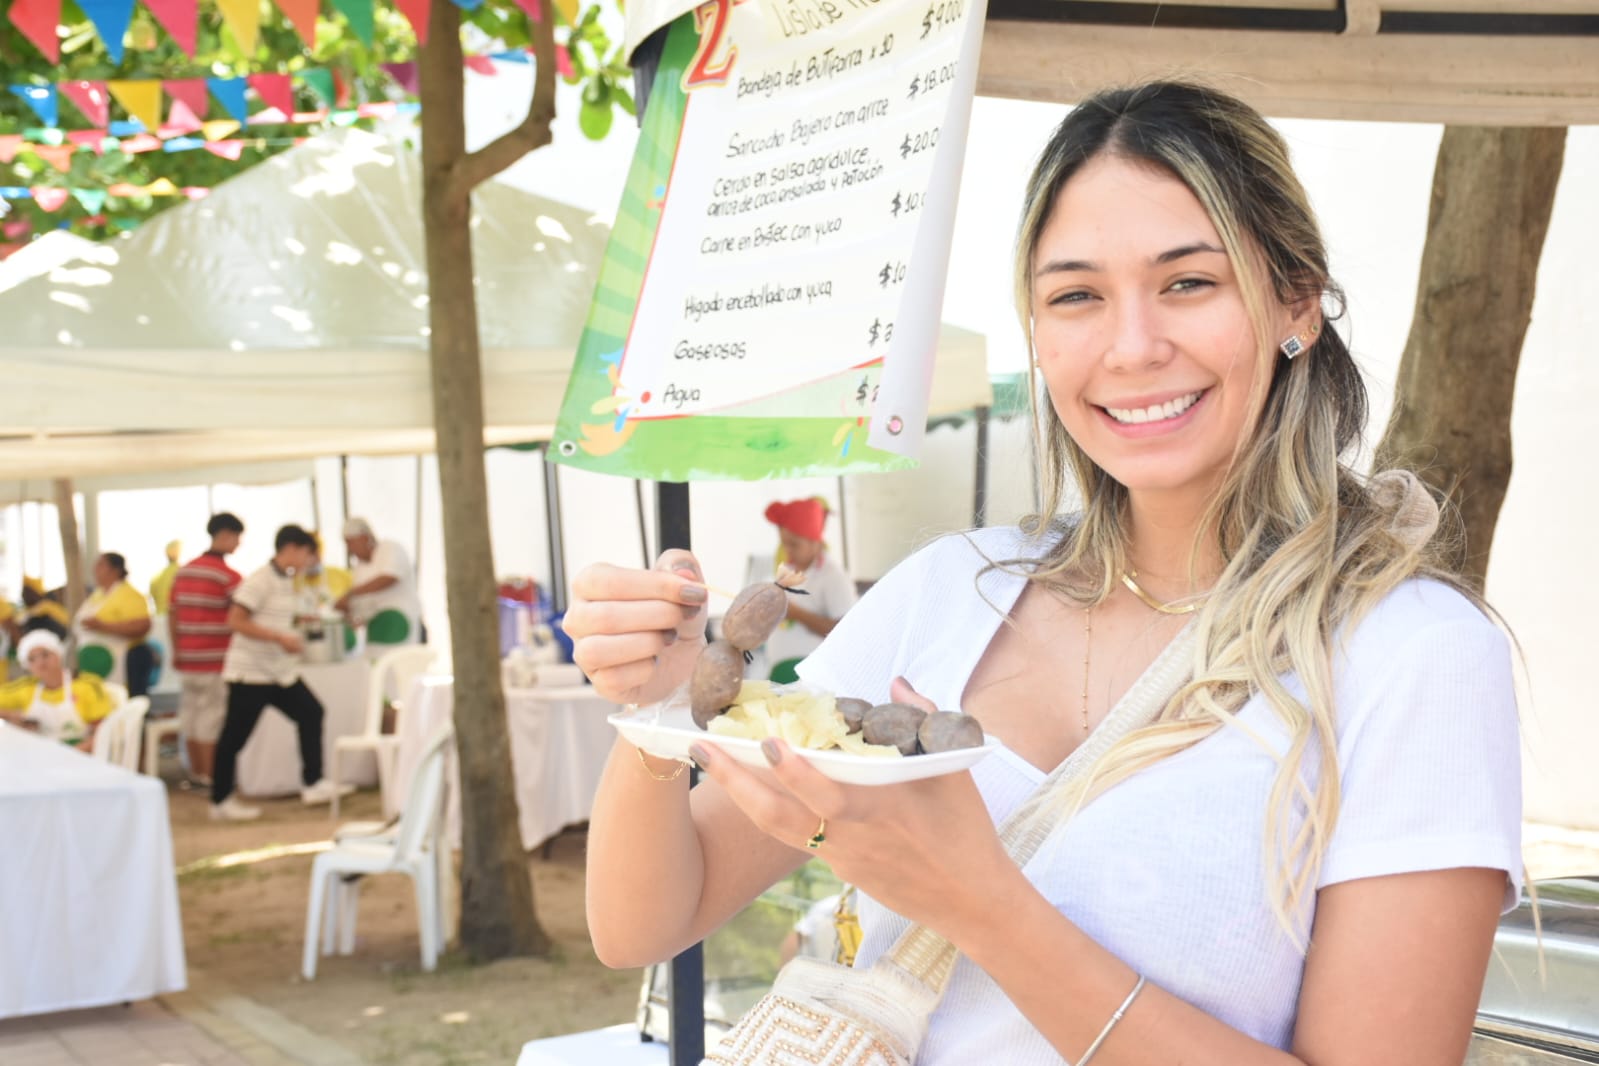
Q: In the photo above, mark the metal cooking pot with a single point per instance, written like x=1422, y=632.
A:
x=324, y=640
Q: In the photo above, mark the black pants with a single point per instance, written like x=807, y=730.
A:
x=139, y=665
x=245, y=704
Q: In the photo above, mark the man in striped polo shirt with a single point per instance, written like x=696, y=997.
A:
x=198, y=616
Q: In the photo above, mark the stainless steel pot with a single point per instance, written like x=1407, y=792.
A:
x=324, y=640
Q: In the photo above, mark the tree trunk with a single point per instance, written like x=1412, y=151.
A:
x=1492, y=194
x=71, y=547
x=497, y=910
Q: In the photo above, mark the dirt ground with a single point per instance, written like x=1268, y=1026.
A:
x=243, y=926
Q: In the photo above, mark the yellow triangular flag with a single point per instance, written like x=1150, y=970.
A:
x=161, y=187
x=141, y=99
x=219, y=129
x=243, y=17
x=568, y=10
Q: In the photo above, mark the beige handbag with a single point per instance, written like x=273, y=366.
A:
x=822, y=1014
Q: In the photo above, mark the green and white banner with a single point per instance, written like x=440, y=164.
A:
x=769, y=303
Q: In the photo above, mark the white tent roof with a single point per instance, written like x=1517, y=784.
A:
x=285, y=316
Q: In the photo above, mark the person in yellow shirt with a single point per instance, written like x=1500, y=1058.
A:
x=322, y=583
x=116, y=618
x=161, y=584
x=38, y=608
x=52, y=701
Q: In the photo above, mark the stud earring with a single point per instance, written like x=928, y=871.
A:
x=1299, y=342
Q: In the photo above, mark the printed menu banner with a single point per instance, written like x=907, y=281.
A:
x=769, y=302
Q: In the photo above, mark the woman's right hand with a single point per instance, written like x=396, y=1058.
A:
x=637, y=633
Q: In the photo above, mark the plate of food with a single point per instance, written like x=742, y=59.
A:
x=815, y=729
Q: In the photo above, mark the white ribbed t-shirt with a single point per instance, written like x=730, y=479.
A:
x=1165, y=869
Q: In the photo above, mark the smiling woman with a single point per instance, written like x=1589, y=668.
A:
x=1297, y=853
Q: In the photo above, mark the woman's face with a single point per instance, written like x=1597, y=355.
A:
x=800, y=551
x=1141, y=330
x=45, y=665
x=104, y=575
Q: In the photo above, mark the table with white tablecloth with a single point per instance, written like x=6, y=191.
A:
x=88, y=894
x=269, y=765
x=560, y=741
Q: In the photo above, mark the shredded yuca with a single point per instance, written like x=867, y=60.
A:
x=803, y=719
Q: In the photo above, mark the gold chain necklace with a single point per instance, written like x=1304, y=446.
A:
x=1088, y=647
x=1163, y=608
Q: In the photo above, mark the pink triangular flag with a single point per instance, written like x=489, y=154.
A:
x=180, y=120
x=91, y=98
x=16, y=228
x=226, y=149
x=417, y=13
x=140, y=142
x=37, y=20
x=404, y=75
x=49, y=198
x=10, y=145
x=196, y=192
x=125, y=189
x=563, y=62
x=534, y=9
x=275, y=90
x=94, y=140
x=302, y=16
x=480, y=65
x=377, y=109
x=57, y=155
x=181, y=20
x=192, y=91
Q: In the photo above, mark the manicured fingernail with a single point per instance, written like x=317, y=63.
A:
x=698, y=754
x=770, y=749
x=692, y=594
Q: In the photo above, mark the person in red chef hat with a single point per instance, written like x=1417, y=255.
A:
x=831, y=590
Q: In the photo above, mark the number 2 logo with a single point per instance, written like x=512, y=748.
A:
x=710, y=20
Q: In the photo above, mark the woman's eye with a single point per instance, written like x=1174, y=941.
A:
x=1191, y=284
x=1069, y=298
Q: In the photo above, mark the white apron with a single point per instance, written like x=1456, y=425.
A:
x=56, y=721
x=117, y=646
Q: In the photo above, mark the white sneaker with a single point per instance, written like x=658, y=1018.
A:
x=322, y=792
x=233, y=810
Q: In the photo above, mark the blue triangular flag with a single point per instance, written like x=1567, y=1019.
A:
x=512, y=57
x=182, y=144
x=111, y=18
x=42, y=98
x=126, y=128
x=468, y=5
x=230, y=94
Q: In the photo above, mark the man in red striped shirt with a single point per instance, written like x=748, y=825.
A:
x=201, y=595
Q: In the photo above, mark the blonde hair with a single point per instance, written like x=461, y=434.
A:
x=1308, y=545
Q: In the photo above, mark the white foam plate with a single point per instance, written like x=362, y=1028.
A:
x=667, y=735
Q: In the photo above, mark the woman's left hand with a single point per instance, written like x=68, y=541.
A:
x=913, y=847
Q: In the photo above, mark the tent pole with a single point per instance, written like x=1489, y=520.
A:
x=417, y=543
x=552, y=520
x=344, y=486
x=643, y=534
x=71, y=547
x=91, y=525
x=316, y=505
x=980, y=484
x=843, y=526
x=687, y=988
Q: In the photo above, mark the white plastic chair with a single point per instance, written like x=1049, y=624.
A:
x=118, y=738
x=395, y=672
x=411, y=849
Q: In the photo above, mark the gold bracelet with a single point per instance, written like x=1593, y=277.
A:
x=673, y=776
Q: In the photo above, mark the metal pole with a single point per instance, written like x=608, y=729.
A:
x=843, y=527
x=980, y=490
x=344, y=486
x=643, y=534
x=316, y=507
x=552, y=519
x=686, y=996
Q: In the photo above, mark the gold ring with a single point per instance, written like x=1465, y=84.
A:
x=819, y=837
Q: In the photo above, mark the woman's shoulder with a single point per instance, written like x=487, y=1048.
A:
x=1417, y=608
x=969, y=549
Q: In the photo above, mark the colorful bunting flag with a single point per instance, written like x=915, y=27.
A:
x=417, y=13
x=16, y=228
x=180, y=120
x=534, y=9
x=341, y=90
x=196, y=192
x=320, y=82
x=480, y=64
x=123, y=190
x=405, y=76
x=111, y=18
x=378, y=109
x=219, y=129
x=57, y=155
x=42, y=98
x=140, y=98
x=89, y=140
x=568, y=11
x=563, y=62
x=37, y=21
x=181, y=20
x=275, y=91
x=140, y=142
x=243, y=17
x=49, y=198
x=468, y=5
x=191, y=91
x=358, y=13
x=91, y=199
x=302, y=16
x=182, y=144
x=161, y=187
x=10, y=145
x=90, y=98
x=230, y=150
x=230, y=94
